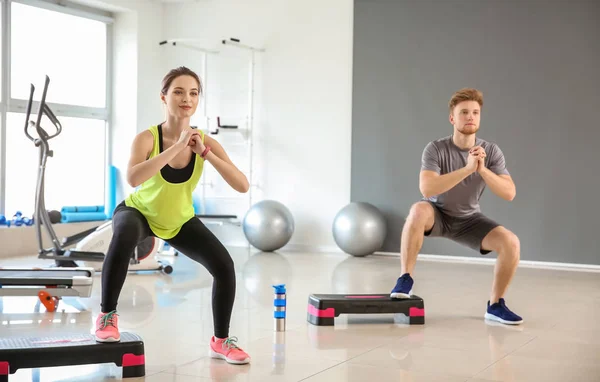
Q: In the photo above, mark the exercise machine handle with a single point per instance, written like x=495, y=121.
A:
x=28, y=112
x=43, y=109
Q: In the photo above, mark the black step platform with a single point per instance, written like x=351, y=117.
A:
x=37, y=352
x=323, y=308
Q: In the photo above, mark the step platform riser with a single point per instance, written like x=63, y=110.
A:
x=39, y=352
x=324, y=308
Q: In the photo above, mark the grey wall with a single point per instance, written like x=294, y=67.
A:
x=538, y=66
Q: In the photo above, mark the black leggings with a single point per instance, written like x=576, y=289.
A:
x=194, y=240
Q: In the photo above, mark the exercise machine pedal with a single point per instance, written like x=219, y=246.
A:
x=69, y=350
x=323, y=308
x=87, y=256
x=74, y=239
x=49, y=301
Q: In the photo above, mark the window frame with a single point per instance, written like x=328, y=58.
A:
x=14, y=105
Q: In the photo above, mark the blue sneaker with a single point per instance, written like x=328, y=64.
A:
x=499, y=312
x=403, y=287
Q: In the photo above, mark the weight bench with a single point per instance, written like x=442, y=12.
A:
x=36, y=352
x=49, y=284
x=323, y=308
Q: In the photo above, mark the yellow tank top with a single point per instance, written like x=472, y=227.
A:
x=166, y=206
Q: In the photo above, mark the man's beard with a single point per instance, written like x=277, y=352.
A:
x=468, y=130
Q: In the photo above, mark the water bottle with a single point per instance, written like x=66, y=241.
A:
x=279, y=306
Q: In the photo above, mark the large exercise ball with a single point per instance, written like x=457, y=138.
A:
x=268, y=225
x=359, y=229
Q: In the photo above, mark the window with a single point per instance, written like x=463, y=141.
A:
x=74, y=174
x=3, y=23
x=71, y=50
x=2, y=52
x=70, y=44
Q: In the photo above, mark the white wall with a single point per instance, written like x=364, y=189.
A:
x=303, y=95
x=150, y=65
x=304, y=84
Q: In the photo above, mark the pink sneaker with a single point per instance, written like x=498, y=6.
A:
x=227, y=349
x=107, y=329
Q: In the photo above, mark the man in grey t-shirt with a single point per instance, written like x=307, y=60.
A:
x=455, y=171
x=442, y=157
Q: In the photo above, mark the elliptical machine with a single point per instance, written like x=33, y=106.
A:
x=93, y=243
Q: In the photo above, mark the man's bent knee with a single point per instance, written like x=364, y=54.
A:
x=422, y=213
x=503, y=241
x=512, y=244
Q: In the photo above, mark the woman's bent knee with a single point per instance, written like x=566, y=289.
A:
x=224, y=268
x=229, y=267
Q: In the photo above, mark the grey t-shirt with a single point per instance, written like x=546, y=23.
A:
x=443, y=156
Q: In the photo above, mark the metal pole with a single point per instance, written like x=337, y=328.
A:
x=238, y=44
x=251, y=129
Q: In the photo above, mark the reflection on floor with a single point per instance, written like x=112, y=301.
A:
x=560, y=339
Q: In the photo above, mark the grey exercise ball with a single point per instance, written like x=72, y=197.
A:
x=359, y=229
x=268, y=225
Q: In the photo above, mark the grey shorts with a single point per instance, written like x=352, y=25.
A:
x=468, y=231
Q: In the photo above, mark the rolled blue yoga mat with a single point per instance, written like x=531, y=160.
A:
x=70, y=217
x=82, y=209
x=94, y=213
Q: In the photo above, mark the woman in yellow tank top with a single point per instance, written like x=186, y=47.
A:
x=166, y=163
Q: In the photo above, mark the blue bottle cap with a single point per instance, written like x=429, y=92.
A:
x=279, y=289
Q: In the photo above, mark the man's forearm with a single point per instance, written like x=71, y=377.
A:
x=500, y=186
x=440, y=184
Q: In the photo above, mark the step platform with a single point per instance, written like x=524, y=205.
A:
x=323, y=308
x=37, y=352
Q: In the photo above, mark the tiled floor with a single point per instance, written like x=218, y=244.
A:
x=559, y=341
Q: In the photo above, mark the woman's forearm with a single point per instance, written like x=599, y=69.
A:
x=232, y=175
x=145, y=170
